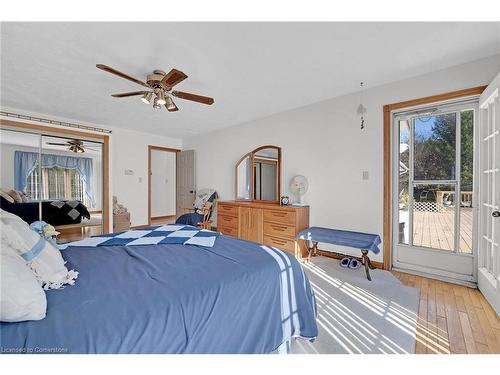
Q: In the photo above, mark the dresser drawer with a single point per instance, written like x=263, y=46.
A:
x=227, y=209
x=280, y=216
x=227, y=221
x=279, y=230
x=228, y=231
x=280, y=243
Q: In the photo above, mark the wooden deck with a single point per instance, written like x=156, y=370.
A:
x=435, y=229
x=453, y=319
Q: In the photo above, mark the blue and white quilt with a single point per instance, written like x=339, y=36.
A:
x=155, y=235
x=235, y=297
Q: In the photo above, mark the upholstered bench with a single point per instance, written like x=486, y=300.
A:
x=364, y=241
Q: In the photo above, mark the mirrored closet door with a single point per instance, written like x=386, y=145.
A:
x=59, y=180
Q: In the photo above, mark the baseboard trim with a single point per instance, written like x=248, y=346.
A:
x=162, y=217
x=139, y=226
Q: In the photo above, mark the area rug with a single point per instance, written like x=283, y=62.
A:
x=359, y=316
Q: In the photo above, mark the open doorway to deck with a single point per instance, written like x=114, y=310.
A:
x=434, y=190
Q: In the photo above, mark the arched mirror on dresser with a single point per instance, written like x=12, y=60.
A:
x=258, y=175
x=256, y=214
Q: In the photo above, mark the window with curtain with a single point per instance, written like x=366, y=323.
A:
x=63, y=177
x=58, y=184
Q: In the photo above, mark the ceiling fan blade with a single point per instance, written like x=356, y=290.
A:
x=120, y=74
x=89, y=148
x=125, y=94
x=56, y=144
x=173, y=78
x=193, y=97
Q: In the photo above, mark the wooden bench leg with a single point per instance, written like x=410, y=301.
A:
x=365, y=260
x=312, y=249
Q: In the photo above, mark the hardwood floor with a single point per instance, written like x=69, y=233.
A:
x=453, y=318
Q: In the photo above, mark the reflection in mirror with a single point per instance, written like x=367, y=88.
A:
x=266, y=171
x=72, y=174
x=13, y=145
x=243, y=178
x=258, y=175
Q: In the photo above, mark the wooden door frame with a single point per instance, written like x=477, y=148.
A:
x=157, y=148
x=62, y=132
x=388, y=109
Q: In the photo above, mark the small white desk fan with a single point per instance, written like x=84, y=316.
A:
x=298, y=187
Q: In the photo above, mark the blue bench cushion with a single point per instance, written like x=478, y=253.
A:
x=359, y=240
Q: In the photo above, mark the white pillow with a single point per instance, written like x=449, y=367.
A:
x=41, y=256
x=21, y=296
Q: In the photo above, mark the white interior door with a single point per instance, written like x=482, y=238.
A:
x=163, y=186
x=185, y=181
x=435, y=191
x=489, y=221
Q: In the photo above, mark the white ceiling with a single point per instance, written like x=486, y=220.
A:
x=252, y=70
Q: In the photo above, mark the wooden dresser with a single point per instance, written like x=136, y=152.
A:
x=267, y=223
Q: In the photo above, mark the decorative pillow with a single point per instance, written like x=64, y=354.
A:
x=15, y=195
x=21, y=296
x=40, y=255
x=24, y=197
x=6, y=196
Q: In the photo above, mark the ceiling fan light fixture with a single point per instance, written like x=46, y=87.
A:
x=170, y=104
x=156, y=105
x=76, y=149
x=161, y=98
x=146, y=98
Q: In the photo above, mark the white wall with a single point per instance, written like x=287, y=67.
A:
x=324, y=142
x=129, y=151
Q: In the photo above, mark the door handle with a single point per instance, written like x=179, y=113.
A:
x=495, y=214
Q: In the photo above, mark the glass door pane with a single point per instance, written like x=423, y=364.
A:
x=434, y=147
x=434, y=216
x=467, y=202
x=404, y=181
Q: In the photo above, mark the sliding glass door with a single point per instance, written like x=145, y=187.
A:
x=434, y=194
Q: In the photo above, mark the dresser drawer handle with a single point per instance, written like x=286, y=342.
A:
x=278, y=241
x=277, y=227
x=279, y=214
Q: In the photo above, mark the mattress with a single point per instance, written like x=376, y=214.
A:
x=236, y=297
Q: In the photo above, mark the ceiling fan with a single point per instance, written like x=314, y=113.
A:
x=159, y=88
x=74, y=145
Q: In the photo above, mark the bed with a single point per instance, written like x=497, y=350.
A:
x=53, y=212
x=235, y=297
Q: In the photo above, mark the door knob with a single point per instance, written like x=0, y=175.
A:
x=495, y=214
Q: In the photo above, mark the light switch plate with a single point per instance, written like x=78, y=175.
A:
x=365, y=175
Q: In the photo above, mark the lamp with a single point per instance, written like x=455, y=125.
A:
x=146, y=98
x=170, y=104
x=156, y=105
x=161, y=97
